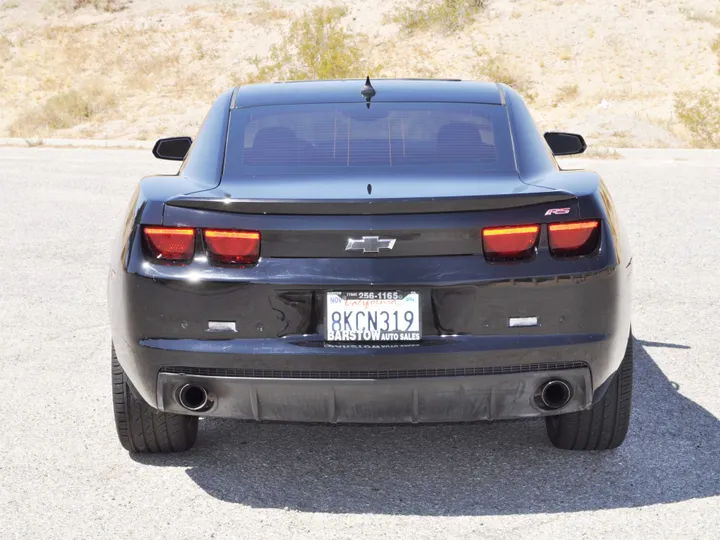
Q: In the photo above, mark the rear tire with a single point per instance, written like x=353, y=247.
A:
x=142, y=429
x=605, y=425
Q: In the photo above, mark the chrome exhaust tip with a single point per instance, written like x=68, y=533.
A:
x=193, y=398
x=554, y=395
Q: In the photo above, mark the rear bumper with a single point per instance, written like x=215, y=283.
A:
x=403, y=400
x=453, y=379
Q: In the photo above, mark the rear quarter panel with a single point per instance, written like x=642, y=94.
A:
x=201, y=170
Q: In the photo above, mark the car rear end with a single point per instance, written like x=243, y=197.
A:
x=373, y=264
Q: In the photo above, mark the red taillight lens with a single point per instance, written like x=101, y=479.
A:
x=233, y=247
x=573, y=239
x=170, y=243
x=507, y=243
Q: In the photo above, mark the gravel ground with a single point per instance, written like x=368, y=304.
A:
x=63, y=473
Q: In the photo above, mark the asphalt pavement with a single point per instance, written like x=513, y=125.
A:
x=64, y=475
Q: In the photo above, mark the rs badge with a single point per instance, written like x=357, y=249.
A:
x=557, y=212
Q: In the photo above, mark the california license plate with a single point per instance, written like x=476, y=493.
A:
x=373, y=316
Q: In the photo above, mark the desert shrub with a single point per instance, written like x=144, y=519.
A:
x=63, y=110
x=494, y=69
x=266, y=13
x=600, y=152
x=110, y=6
x=6, y=49
x=701, y=117
x=712, y=17
x=448, y=15
x=568, y=92
x=316, y=46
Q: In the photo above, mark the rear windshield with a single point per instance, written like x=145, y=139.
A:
x=347, y=138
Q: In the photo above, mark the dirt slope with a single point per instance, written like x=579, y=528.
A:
x=608, y=69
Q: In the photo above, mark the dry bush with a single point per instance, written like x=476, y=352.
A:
x=701, y=117
x=158, y=65
x=448, y=15
x=267, y=13
x=63, y=110
x=712, y=17
x=568, y=92
x=316, y=46
x=494, y=69
x=600, y=152
x=565, y=54
x=109, y=6
x=6, y=49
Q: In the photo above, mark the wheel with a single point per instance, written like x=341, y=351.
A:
x=605, y=425
x=142, y=429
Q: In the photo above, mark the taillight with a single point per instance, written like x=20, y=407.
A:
x=170, y=243
x=574, y=238
x=233, y=247
x=509, y=243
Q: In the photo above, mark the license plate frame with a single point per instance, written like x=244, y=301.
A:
x=409, y=299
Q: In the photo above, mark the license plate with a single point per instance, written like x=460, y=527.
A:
x=373, y=316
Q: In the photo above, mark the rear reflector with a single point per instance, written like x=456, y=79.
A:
x=170, y=243
x=515, y=322
x=233, y=247
x=506, y=243
x=574, y=238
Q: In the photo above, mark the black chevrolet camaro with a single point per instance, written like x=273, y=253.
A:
x=390, y=251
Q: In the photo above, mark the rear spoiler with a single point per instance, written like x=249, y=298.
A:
x=330, y=207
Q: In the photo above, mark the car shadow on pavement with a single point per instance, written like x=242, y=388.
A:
x=671, y=454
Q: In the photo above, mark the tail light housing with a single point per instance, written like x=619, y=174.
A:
x=510, y=243
x=233, y=247
x=170, y=244
x=574, y=238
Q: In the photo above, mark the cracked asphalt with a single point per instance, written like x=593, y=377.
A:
x=64, y=475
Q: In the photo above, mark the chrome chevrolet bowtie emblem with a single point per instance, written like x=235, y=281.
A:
x=369, y=244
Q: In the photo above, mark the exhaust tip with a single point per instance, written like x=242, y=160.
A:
x=554, y=395
x=193, y=397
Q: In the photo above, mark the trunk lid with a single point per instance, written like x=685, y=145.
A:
x=320, y=218
x=370, y=195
